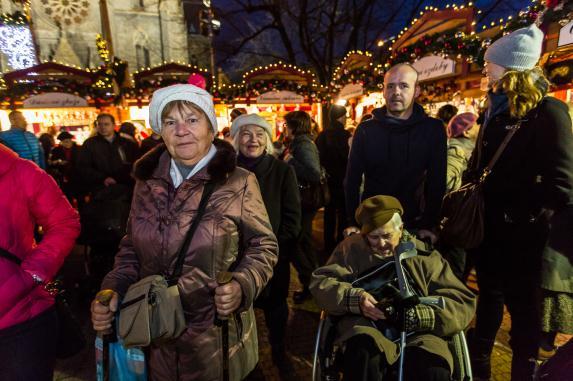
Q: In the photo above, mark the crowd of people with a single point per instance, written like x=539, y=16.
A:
x=381, y=188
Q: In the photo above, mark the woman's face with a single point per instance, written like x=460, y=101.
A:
x=493, y=72
x=252, y=141
x=384, y=239
x=187, y=134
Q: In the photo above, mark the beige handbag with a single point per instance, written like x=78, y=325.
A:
x=151, y=311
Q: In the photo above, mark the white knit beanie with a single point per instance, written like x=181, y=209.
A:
x=519, y=50
x=199, y=97
x=251, y=119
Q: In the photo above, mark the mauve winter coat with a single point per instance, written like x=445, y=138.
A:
x=30, y=197
x=235, y=228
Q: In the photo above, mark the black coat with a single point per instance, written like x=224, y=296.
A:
x=64, y=170
x=333, y=148
x=100, y=159
x=305, y=160
x=536, y=169
x=406, y=159
x=279, y=189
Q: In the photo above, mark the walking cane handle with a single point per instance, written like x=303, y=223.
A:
x=224, y=277
x=104, y=298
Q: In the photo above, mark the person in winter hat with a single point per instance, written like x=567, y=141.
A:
x=364, y=313
x=234, y=235
x=252, y=139
x=533, y=176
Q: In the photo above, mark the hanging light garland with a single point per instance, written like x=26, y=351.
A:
x=459, y=45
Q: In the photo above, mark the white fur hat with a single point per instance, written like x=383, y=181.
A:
x=251, y=119
x=196, y=95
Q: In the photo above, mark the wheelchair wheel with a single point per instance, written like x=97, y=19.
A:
x=323, y=365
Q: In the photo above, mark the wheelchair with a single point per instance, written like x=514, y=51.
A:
x=326, y=365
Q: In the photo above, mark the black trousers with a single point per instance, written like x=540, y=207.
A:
x=508, y=265
x=304, y=259
x=273, y=300
x=28, y=349
x=363, y=361
x=334, y=218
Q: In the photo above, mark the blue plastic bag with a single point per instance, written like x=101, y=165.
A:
x=124, y=364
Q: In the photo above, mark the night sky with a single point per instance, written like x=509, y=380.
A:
x=267, y=47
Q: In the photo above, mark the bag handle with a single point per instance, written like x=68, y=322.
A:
x=207, y=192
x=512, y=130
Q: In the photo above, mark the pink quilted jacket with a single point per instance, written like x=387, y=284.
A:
x=29, y=197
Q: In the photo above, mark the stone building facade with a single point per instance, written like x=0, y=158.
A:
x=145, y=33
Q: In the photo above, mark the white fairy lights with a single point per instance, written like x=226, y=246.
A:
x=16, y=42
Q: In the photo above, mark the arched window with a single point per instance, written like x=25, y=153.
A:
x=142, y=56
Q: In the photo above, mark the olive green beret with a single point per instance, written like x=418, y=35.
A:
x=376, y=211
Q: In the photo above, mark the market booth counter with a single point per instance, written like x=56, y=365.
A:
x=273, y=91
x=51, y=95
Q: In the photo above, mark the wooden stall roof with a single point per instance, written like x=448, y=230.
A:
x=170, y=69
x=49, y=71
x=437, y=21
x=279, y=71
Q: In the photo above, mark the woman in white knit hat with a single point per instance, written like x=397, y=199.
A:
x=533, y=175
x=252, y=138
x=171, y=180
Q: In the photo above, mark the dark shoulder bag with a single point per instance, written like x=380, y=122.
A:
x=463, y=209
x=151, y=311
x=71, y=339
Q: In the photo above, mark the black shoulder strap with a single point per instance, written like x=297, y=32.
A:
x=207, y=192
x=9, y=256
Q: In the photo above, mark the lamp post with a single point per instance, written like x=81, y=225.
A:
x=207, y=4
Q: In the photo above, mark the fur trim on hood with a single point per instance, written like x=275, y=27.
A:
x=223, y=163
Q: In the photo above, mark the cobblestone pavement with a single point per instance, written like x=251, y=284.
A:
x=301, y=333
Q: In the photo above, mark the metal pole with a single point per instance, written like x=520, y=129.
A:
x=162, y=46
x=210, y=36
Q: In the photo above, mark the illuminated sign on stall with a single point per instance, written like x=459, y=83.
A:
x=431, y=67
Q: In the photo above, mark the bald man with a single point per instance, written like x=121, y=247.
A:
x=401, y=152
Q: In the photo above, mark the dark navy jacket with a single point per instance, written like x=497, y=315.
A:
x=406, y=159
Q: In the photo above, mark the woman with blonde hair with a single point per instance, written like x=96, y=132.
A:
x=532, y=178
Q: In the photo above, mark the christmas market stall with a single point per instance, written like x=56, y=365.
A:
x=441, y=45
x=558, y=61
x=147, y=80
x=357, y=84
x=274, y=90
x=52, y=95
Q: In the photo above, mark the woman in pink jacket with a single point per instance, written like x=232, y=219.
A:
x=28, y=322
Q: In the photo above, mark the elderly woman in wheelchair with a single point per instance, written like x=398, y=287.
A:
x=382, y=288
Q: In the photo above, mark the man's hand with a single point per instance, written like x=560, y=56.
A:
x=109, y=181
x=228, y=298
x=423, y=233
x=102, y=316
x=350, y=230
x=368, y=307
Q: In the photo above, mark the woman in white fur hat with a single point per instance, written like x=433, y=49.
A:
x=252, y=138
x=532, y=179
x=171, y=180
